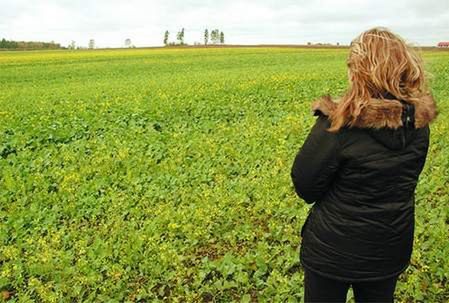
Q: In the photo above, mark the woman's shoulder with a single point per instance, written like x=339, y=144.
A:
x=324, y=106
x=383, y=113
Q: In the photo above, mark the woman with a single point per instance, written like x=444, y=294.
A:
x=360, y=165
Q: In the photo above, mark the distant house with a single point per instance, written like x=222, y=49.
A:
x=443, y=44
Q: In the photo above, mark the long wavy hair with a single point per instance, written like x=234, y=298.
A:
x=380, y=63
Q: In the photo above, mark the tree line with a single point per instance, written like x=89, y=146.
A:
x=215, y=37
x=10, y=44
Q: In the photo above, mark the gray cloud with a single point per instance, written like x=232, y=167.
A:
x=244, y=22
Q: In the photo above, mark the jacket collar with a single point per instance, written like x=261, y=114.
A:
x=381, y=113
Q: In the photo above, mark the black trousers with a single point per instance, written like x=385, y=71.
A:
x=322, y=289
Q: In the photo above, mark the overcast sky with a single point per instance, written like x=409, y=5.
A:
x=110, y=22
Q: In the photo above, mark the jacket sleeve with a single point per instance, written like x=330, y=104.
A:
x=317, y=162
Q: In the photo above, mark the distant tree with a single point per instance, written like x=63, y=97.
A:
x=166, y=37
x=180, y=36
x=72, y=44
x=91, y=44
x=212, y=36
x=128, y=42
x=215, y=36
x=206, y=37
x=221, y=37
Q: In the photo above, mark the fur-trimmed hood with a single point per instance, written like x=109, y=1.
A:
x=390, y=121
x=387, y=113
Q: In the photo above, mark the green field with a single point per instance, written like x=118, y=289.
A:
x=164, y=175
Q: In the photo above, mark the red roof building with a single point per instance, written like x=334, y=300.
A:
x=443, y=44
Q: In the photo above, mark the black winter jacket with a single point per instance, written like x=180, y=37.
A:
x=362, y=182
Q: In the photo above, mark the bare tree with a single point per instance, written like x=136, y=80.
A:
x=128, y=42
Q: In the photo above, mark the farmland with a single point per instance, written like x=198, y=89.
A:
x=164, y=175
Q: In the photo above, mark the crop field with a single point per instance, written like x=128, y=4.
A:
x=163, y=175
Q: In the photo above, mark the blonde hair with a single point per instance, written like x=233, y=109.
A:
x=379, y=63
